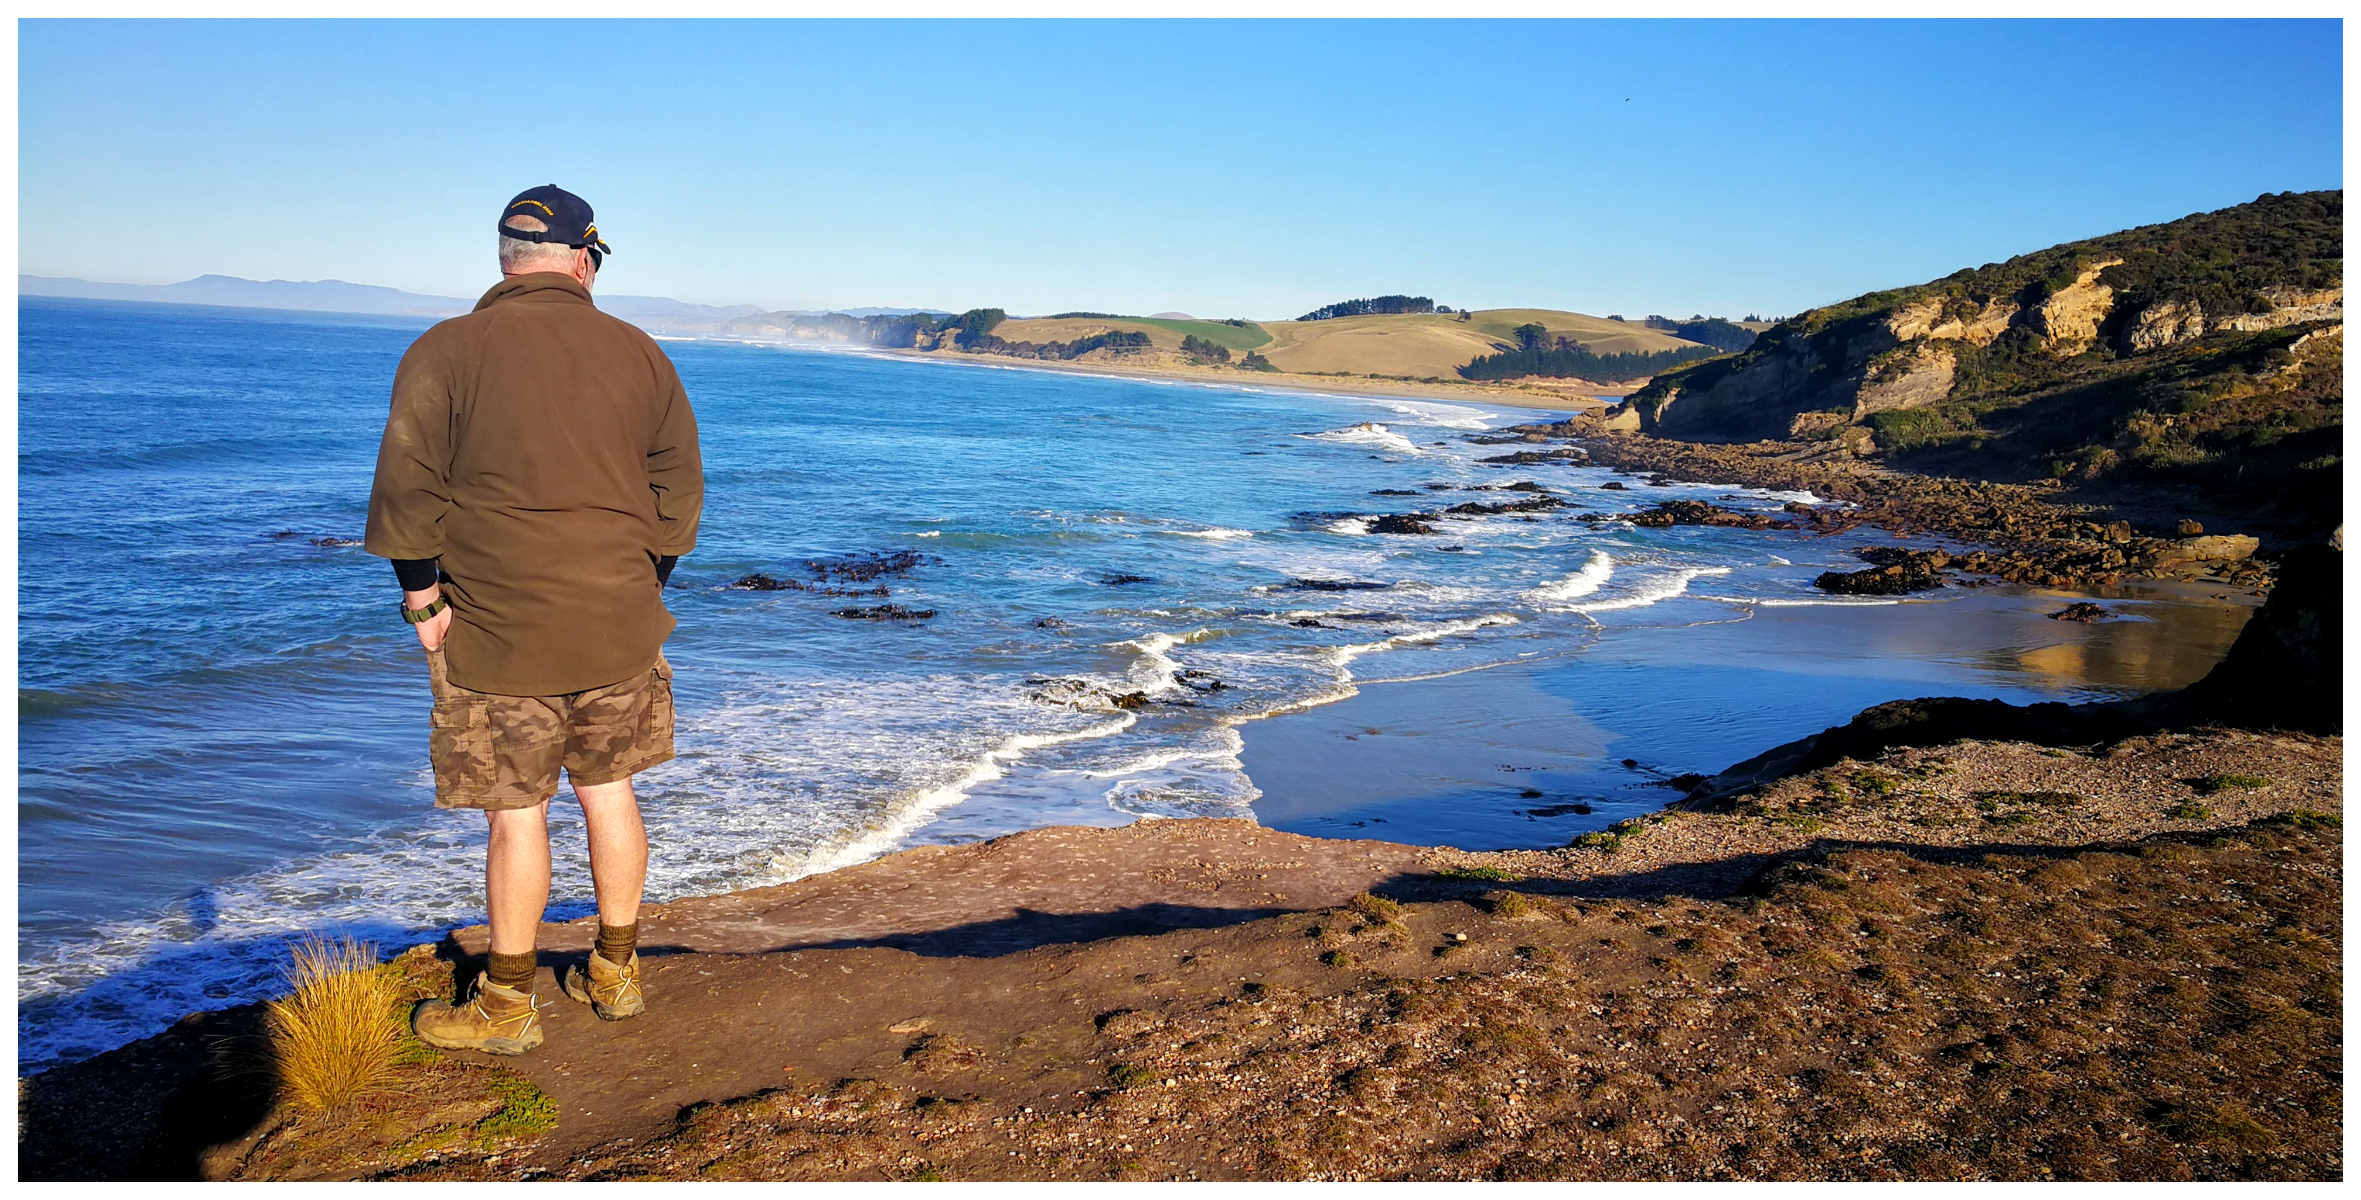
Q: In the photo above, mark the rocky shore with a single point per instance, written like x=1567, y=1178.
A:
x=2028, y=533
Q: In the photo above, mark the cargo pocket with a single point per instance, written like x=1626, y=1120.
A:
x=656, y=731
x=459, y=742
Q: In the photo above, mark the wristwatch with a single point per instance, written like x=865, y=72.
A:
x=420, y=616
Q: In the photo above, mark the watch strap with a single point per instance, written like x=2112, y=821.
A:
x=420, y=616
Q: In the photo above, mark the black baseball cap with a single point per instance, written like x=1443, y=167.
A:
x=568, y=216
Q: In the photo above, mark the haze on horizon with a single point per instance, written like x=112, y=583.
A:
x=1222, y=168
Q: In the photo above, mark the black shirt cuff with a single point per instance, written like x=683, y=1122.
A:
x=664, y=565
x=416, y=574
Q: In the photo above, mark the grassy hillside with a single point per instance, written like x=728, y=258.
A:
x=1597, y=334
x=1437, y=344
x=1237, y=338
x=1163, y=333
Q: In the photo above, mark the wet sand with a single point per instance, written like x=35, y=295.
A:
x=1512, y=756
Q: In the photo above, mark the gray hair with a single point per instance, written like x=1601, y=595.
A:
x=518, y=256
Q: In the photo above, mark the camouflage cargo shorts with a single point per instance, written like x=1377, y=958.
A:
x=498, y=752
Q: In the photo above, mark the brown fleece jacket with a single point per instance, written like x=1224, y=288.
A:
x=546, y=453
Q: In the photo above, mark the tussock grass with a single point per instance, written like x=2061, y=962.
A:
x=337, y=1034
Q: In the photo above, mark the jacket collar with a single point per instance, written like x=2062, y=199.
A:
x=543, y=286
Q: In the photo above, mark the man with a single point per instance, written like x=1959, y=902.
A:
x=537, y=480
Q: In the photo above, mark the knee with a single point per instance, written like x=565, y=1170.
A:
x=512, y=823
x=601, y=798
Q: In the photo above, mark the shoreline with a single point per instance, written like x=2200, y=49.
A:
x=1424, y=760
x=1049, y=1004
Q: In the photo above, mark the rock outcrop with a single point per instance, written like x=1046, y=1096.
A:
x=2164, y=323
x=1914, y=377
x=2068, y=321
x=2289, y=306
x=1893, y=571
x=2285, y=671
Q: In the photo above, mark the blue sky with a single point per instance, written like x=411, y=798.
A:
x=1221, y=168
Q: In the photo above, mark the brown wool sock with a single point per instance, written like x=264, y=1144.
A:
x=615, y=941
x=512, y=971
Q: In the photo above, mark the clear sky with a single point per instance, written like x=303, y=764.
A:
x=1254, y=169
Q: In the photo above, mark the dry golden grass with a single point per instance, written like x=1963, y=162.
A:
x=1435, y=344
x=336, y=1035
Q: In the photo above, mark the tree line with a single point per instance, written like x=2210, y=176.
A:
x=1538, y=353
x=1118, y=340
x=1729, y=337
x=1376, y=305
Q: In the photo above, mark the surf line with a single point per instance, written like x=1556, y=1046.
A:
x=910, y=815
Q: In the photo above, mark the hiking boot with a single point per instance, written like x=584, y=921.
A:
x=611, y=991
x=495, y=1020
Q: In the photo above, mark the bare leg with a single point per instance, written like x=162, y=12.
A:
x=618, y=848
x=516, y=876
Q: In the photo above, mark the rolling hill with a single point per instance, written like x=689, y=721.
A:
x=1413, y=345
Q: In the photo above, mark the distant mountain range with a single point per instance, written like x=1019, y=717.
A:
x=656, y=314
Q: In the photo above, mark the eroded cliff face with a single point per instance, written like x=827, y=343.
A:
x=1935, y=320
x=2172, y=322
x=2289, y=307
x=2166, y=323
x=1916, y=376
x=2068, y=321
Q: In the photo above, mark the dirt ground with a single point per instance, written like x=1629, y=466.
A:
x=1982, y=960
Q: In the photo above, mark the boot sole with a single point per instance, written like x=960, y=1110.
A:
x=496, y=1045
x=579, y=991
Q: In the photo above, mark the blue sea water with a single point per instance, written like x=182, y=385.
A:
x=222, y=721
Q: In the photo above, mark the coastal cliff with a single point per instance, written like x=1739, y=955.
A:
x=2206, y=350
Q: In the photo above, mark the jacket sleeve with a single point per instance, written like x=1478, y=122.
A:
x=412, y=491
x=676, y=473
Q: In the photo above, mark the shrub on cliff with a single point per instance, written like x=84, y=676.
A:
x=1568, y=360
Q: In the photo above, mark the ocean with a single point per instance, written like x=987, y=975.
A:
x=1151, y=599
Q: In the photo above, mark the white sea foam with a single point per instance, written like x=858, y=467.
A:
x=929, y=533
x=1825, y=602
x=1593, y=575
x=1349, y=526
x=1216, y=534
x=1153, y=670
x=1654, y=591
x=1367, y=433
x=1450, y=416
x=911, y=813
x=1343, y=656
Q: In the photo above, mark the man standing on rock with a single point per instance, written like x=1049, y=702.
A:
x=537, y=480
